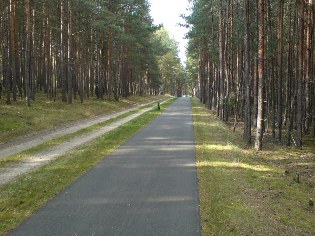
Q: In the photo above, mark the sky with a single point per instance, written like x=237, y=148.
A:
x=167, y=12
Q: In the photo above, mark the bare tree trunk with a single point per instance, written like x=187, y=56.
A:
x=280, y=69
x=247, y=123
x=308, y=59
x=27, y=52
x=62, y=50
x=221, y=66
x=202, y=76
x=270, y=75
x=312, y=64
x=13, y=47
x=95, y=64
x=5, y=54
x=299, y=122
x=108, y=66
x=290, y=96
x=33, y=69
x=260, y=118
x=48, y=55
x=70, y=56
x=255, y=70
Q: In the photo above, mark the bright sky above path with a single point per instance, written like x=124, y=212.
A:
x=167, y=12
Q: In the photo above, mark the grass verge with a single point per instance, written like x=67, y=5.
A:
x=244, y=192
x=23, y=197
x=17, y=119
x=57, y=141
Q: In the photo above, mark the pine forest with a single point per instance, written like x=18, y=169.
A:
x=252, y=62
x=76, y=48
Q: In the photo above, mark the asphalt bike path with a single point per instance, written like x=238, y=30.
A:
x=146, y=187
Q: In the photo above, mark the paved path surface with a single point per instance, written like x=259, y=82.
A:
x=147, y=187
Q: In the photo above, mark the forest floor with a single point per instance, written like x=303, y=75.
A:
x=246, y=192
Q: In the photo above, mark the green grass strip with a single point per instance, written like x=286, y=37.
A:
x=243, y=192
x=17, y=119
x=30, y=192
x=57, y=141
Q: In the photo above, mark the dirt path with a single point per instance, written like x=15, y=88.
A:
x=27, y=142
x=8, y=174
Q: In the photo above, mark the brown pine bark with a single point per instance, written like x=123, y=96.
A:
x=280, y=68
x=95, y=64
x=108, y=66
x=221, y=64
x=13, y=43
x=70, y=56
x=261, y=54
x=5, y=53
x=27, y=52
x=247, y=118
x=290, y=98
x=271, y=96
x=33, y=65
x=312, y=64
x=62, y=51
x=299, y=122
x=308, y=59
x=48, y=55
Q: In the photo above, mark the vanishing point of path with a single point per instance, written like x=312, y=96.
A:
x=146, y=187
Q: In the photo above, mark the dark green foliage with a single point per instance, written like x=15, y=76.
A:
x=107, y=46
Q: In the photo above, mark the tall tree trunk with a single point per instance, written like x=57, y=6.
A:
x=27, y=51
x=108, y=66
x=202, y=77
x=308, y=59
x=62, y=51
x=5, y=53
x=271, y=88
x=280, y=69
x=261, y=54
x=13, y=43
x=312, y=64
x=70, y=55
x=221, y=64
x=290, y=75
x=81, y=67
x=33, y=69
x=48, y=45
x=247, y=123
x=95, y=61
x=299, y=122
x=255, y=72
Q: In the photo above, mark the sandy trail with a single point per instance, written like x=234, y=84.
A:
x=24, y=143
x=35, y=161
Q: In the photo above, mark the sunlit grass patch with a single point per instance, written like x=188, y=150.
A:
x=236, y=164
x=220, y=147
